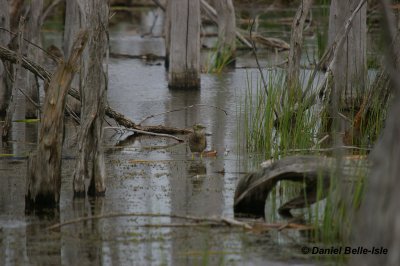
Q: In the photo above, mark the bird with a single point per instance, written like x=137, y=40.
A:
x=197, y=139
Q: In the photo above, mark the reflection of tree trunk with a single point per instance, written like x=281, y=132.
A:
x=4, y=40
x=93, y=96
x=349, y=71
x=184, y=71
x=44, y=167
x=296, y=43
x=39, y=242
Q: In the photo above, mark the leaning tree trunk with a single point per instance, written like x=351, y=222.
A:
x=296, y=43
x=44, y=166
x=350, y=68
x=4, y=40
x=93, y=97
x=226, y=28
x=184, y=68
x=73, y=22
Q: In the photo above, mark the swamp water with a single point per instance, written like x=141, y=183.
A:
x=147, y=175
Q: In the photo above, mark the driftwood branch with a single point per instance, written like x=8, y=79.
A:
x=215, y=220
x=181, y=109
x=253, y=189
x=147, y=133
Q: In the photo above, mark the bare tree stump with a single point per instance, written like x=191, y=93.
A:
x=73, y=22
x=350, y=68
x=226, y=28
x=4, y=40
x=44, y=167
x=296, y=44
x=93, y=96
x=184, y=58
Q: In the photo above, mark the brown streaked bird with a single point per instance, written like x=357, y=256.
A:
x=197, y=139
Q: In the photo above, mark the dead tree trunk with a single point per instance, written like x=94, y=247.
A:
x=350, y=68
x=379, y=217
x=73, y=22
x=44, y=166
x=226, y=28
x=167, y=32
x=184, y=71
x=296, y=44
x=16, y=72
x=32, y=33
x=93, y=97
x=4, y=40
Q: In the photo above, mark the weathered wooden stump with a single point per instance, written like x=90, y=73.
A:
x=184, y=43
x=44, y=166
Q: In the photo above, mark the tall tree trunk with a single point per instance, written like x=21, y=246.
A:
x=226, y=28
x=5, y=91
x=93, y=97
x=44, y=166
x=184, y=71
x=350, y=68
x=32, y=33
x=379, y=216
x=73, y=22
x=167, y=32
x=296, y=44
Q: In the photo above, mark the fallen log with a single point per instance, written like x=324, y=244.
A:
x=253, y=189
x=120, y=119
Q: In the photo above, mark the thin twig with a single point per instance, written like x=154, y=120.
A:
x=54, y=58
x=181, y=109
x=332, y=149
x=147, y=133
x=227, y=221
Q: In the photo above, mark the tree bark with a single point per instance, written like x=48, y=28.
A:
x=4, y=40
x=296, y=44
x=32, y=33
x=93, y=96
x=44, y=166
x=73, y=22
x=350, y=68
x=379, y=217
x=184, y=71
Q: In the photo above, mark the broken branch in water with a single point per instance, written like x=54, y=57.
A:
x=146, y=132
x=181, y=109
x=221, y=221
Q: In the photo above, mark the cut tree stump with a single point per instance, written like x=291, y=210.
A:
x=44, y=166
x=253, y=189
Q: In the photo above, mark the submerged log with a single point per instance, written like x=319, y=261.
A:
x=253, y=189
x=44, y=166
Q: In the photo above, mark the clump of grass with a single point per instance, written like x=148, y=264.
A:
x=297, y=128
x=219, y=58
